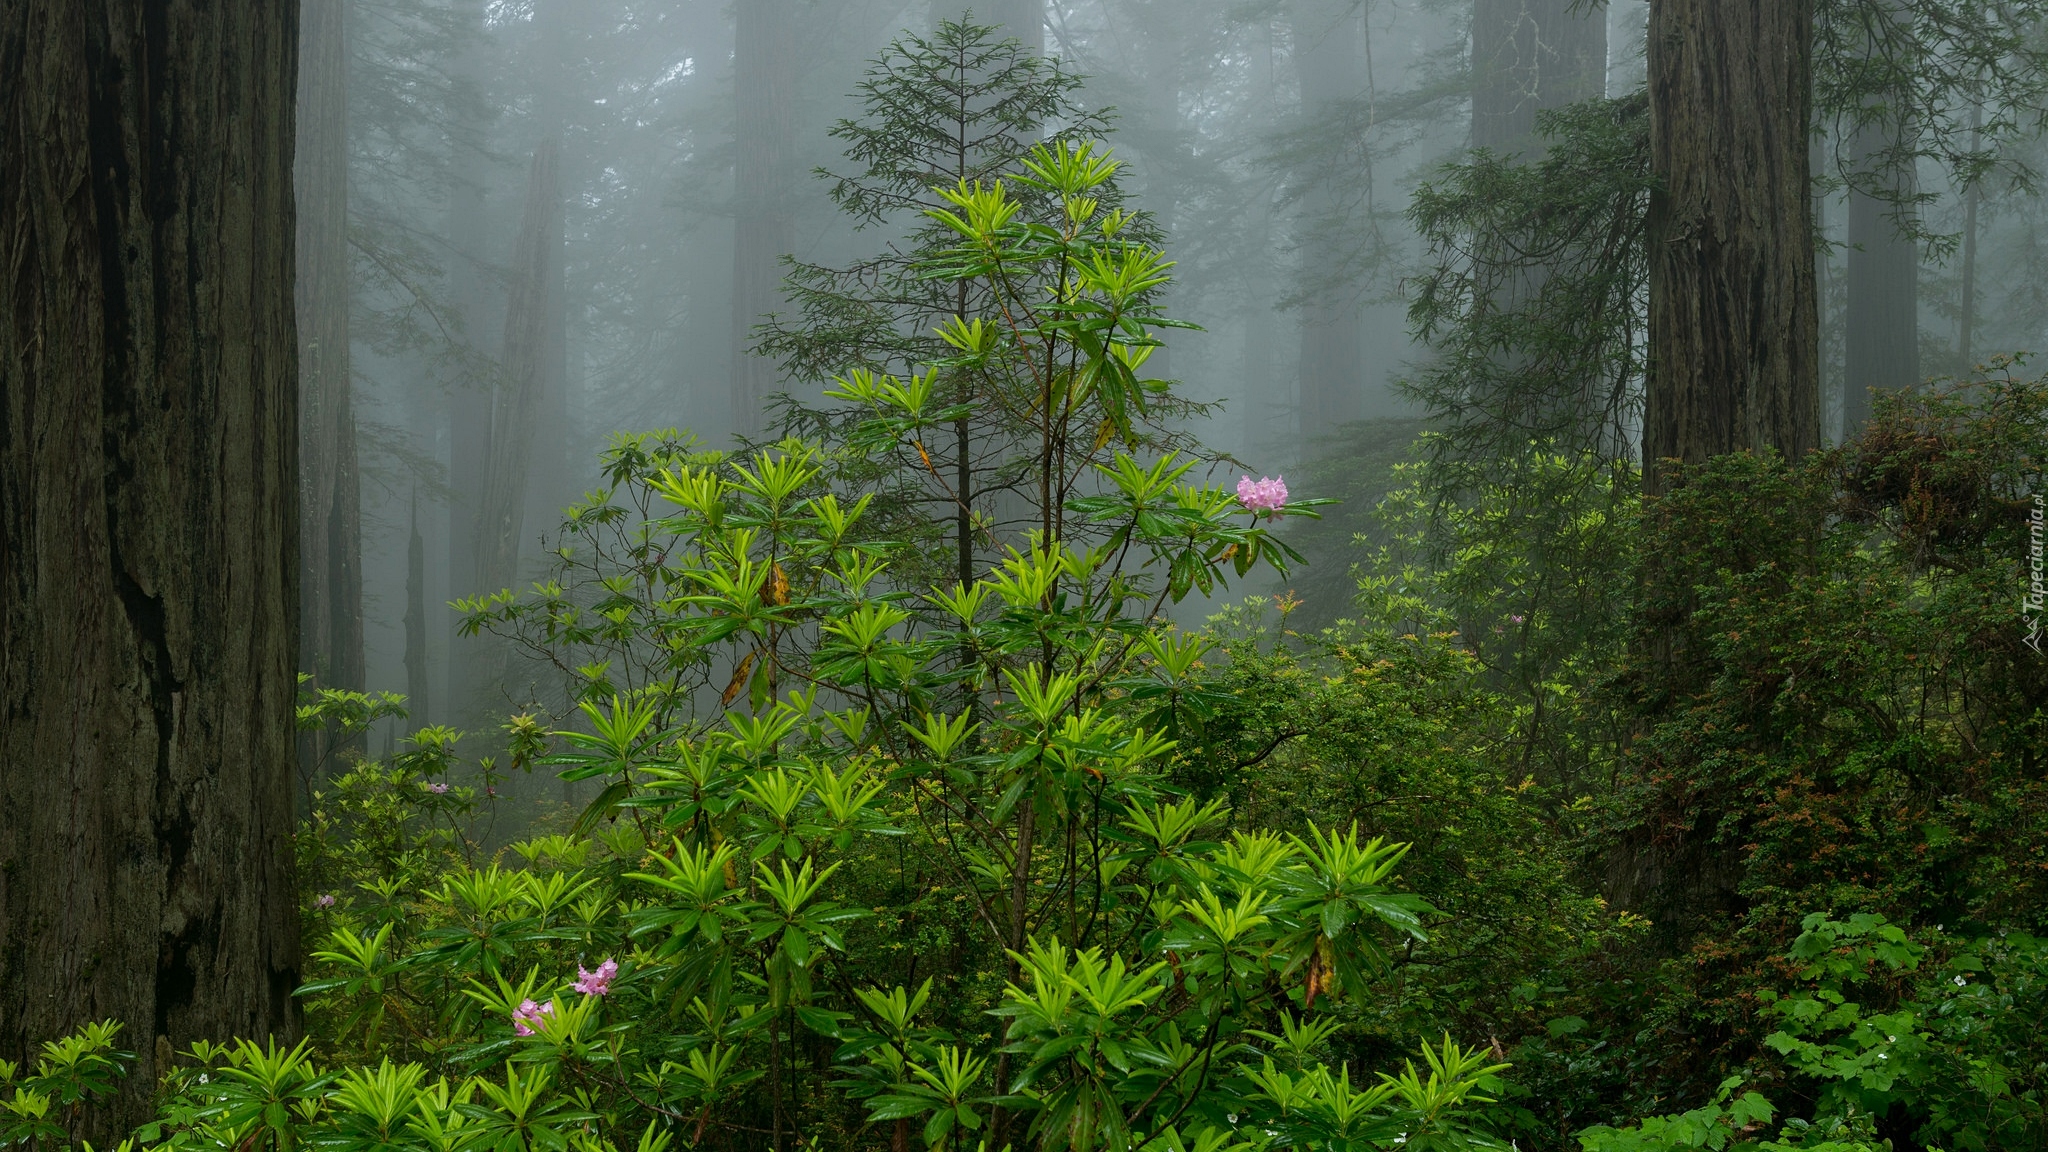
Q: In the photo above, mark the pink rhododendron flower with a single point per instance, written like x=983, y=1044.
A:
x=529, y=1014
x=1266, y=494
x=596, y=983
x=1517, y=619
x=438, y=789
x=326, y=900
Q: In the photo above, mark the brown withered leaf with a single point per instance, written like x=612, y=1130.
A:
x=739, y=680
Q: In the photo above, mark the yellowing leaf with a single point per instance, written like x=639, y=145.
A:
x=739, y=680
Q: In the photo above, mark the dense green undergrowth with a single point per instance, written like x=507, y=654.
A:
x=1716, y=821
x=1276, y=888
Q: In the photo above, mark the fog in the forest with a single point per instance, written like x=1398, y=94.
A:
x=1142, y=575
x=680, y=154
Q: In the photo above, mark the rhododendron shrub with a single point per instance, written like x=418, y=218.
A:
x=865, y=860
x=695, y=960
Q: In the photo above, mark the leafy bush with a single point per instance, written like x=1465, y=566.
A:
x=861, y=853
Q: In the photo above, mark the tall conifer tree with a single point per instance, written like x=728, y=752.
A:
x=149, y=527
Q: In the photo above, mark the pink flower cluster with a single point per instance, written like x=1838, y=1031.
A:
x=596, y=983
x=529, y=1015
x=1266, y=494
x=326, y=900
x=438, y=789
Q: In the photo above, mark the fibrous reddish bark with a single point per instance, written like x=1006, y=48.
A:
x=1734, y=325
x=149, y=524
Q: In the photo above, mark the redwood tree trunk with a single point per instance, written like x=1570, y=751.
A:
x=149, y=524
x=549, y=487
x=522, y=384
x=330, y=576
x=1881, y=340
x=523, y=367
x=1734, y=326
x=469, y=399
x=1329, y=64
x=765, y=74
x=418, y=695
x=1529, y=56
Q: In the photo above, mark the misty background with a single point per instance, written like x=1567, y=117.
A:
x=649, y=164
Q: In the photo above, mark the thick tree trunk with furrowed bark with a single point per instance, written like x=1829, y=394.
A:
x=1734, y=326
x=149, y=525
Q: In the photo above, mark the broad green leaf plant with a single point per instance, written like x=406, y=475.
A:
x=784, y=741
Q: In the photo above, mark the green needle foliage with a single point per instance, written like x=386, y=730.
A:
x=991, y=426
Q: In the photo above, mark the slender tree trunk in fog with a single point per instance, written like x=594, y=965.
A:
x=330, y=576
x=469, y=404
x=1329, y=63
x=1882, y=340
x=1734, y=333
x=1966, y=320
x=418, y=696
x=1530, y=56
x=1827, y=368
x=765, y=75
x=1159, y=137
x=1023, y=19
x=149, y=525
x=1262, y=371
x=501, y=512
x=549, y=473
x=1260, y=355
x=547, y=489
